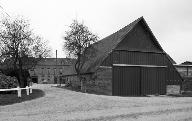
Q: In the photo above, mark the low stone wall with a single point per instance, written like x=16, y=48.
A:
x=186, y=86
x=173, y=89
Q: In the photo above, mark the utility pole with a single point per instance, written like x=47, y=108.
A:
x=56, y=69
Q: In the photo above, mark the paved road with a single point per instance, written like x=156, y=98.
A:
x=61, y=104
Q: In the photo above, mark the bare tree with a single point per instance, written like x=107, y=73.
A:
x=78, y=42
x=18, y=43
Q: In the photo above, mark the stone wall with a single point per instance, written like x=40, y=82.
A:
x=99, y=83
x=73, y=80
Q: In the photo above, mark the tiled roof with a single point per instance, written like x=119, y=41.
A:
x=60, y=61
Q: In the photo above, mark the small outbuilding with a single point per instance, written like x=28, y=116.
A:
x=130, y=62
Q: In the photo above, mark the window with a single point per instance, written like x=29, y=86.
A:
x=55, y=71
x=48, y=71
x=60, y=71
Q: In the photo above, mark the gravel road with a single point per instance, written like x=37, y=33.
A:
x=64, y=105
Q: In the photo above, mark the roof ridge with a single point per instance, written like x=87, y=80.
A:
x=134, y=22
x=129, y=25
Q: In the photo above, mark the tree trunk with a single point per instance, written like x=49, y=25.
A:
x=22, y=81
x=83, y=84
x=81, y=81
x=21, y=78
x=78, y=67
x=15, y=68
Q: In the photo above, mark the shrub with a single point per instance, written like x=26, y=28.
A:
x=7, y=82
x=14, y=73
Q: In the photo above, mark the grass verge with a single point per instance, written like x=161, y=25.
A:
x=8, y=99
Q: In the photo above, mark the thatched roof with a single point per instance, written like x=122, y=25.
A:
x=105, y=46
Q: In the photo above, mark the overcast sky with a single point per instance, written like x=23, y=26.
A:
x=170, y=20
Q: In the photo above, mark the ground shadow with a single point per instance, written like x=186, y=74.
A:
x=8, y=99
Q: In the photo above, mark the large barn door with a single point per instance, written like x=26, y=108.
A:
x=153, y=81
x=126, y=81
x=138, y=80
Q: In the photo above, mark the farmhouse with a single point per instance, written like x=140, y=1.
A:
x=130, y=62
x=50, y=70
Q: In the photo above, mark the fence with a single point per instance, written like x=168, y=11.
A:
x=18, y=89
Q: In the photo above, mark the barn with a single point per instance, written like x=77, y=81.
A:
x=130, y=62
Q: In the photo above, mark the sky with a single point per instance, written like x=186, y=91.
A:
x=169, y=20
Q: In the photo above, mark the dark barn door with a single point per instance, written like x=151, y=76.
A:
x=153, y=80
x=126, y=81
x=137, y=80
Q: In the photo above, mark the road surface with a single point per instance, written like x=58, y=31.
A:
x=60, y=104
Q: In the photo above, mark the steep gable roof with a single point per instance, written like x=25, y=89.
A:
x=105, y=46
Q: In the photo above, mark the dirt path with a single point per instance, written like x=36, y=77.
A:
x=61, y=104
